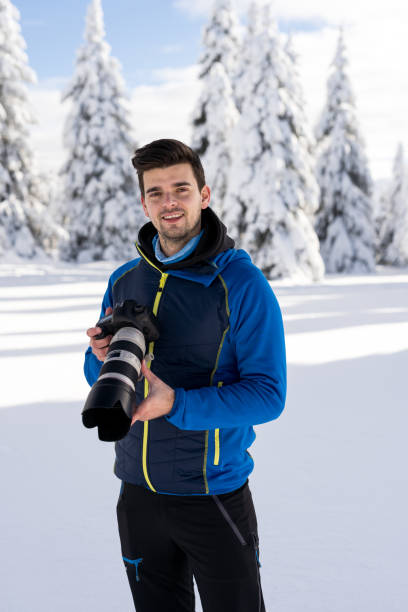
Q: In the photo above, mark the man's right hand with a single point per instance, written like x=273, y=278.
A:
x=99, y=347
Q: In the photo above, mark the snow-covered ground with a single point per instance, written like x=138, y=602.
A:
x=330, y=479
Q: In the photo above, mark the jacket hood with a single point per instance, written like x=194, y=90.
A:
x=213, y=242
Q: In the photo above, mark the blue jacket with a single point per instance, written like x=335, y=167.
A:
x=222, y=349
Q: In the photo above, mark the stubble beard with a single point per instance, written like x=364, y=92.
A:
x=168, y=239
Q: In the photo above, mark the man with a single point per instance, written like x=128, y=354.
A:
x=185, y=508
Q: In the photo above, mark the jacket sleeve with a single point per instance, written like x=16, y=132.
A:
x=92, y=365
x=257, y=337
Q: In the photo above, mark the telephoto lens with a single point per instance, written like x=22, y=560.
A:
x=110, y=402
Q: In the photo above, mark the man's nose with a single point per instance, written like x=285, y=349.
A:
x=169, y=198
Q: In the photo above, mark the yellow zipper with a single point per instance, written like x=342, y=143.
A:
x=207, y=490
x=217, y=446
x=148, y=260
x=157, y=299
x=217, y=440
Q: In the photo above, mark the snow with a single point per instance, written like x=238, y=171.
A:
x=330, y=479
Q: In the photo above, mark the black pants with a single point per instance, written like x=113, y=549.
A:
x=166, y=539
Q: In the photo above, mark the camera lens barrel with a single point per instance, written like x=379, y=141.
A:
x=124, y=358
x=110, y=402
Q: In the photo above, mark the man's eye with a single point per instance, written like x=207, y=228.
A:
x=155, y=194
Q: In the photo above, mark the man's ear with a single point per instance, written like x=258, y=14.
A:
x=144, y=206
x=205, y=196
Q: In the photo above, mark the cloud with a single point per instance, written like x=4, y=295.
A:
x=46, y=134
x=33, y=23
x=164, y=110
x=169, y=49
x=335, y=12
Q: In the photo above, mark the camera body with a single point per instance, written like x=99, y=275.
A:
x=110, y=402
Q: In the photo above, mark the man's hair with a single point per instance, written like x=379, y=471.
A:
x=164, y=153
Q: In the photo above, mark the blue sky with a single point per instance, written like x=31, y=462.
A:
x=144, y=35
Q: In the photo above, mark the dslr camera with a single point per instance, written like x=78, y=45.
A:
x=110, y=402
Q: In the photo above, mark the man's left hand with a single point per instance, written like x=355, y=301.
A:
x=158, y=403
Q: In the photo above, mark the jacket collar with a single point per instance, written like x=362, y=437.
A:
x=214, y=241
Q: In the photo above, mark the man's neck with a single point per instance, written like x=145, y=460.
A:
x=170, y=247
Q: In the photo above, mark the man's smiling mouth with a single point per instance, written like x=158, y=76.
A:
x=173, y=216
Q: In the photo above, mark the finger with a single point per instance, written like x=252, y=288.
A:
x=93, y=331
x=100, y=350
x=140, y=415
x=102, y=343
x=100, y=353
x=108, y=310
x=144, y=368
x=136, y=414
x=147, y=373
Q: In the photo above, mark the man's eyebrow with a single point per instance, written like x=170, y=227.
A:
x=177, y=184
x=152, y=189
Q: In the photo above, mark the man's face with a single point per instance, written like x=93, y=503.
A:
x=173, y=202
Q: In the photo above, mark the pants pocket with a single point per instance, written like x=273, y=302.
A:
x=229, y=520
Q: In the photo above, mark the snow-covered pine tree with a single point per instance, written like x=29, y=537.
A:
x=247, y=55
x=264, y=207
x=381, y=211
x=299, y=140
x=222, y=116
x=102, y=199
x=25, y=227
x=221, y=42
x=393, y=231
x=382, y=215
x=215, y=113
x=245, y=137
x=298, y=187
x=344, y=220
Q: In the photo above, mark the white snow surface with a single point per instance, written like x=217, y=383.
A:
x=330, y=478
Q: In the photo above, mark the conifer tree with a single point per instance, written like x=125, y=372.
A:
x=266, y=209
x=102, y=200
x=247, y=141
x=25, y=227
x=222, y=116
x=381, y=213
x=344, y=220
x=248, y=54
x=393, y=232
x=221, y=42
x=215, y=113
x=299, y=141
